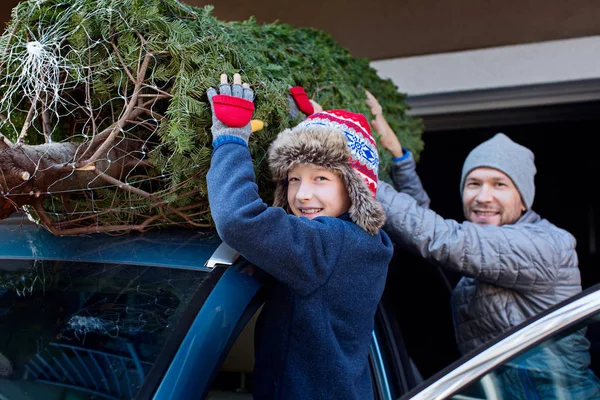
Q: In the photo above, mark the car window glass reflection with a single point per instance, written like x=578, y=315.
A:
x=546, y=371
x=89, y=330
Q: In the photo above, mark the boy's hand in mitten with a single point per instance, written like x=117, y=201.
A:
x=232, y=108
x=299, y=102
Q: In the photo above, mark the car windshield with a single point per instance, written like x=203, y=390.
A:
x=87, y=317
x=86, y=327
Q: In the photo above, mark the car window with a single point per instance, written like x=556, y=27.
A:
x=84, y=330
x=234, y=379
x=549, y=370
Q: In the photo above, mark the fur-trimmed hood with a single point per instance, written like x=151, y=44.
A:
x=327, y=148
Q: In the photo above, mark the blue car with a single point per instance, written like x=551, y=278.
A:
x=169, y=314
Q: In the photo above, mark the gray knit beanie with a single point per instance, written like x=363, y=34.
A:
x=511, y=158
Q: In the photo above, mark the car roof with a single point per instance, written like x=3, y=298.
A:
x=170, y=247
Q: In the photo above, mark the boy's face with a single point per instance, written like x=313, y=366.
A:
x=316, y=192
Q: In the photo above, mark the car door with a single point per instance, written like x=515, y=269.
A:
x=230, y=365
x=483, y=375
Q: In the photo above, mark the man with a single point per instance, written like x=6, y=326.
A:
x=514, y=263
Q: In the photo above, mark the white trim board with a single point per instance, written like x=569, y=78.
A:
x=448, y=80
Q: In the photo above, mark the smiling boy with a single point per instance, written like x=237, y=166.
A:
x=316, y=192
x=321, y=242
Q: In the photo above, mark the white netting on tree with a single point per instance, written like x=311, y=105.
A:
x=52, y=72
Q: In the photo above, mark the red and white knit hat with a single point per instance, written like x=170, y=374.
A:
x=336, y=140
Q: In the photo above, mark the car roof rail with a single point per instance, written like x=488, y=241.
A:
x=223, y=255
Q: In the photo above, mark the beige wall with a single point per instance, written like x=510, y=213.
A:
x=381, y=29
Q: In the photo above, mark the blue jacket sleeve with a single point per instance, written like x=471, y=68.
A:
x=295, y=251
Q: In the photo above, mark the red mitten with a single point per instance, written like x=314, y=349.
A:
x=301, y=99
x=234, y=112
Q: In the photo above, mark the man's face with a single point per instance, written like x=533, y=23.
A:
x=491, y=198
x=315, y=192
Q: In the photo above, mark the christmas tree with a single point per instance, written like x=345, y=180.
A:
x=104, y=120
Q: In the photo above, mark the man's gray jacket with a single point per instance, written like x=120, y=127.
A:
x=510, y=273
